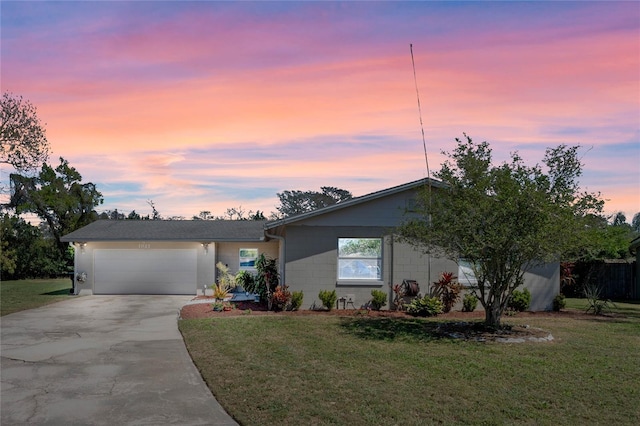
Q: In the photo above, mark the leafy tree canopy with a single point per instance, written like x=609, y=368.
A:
x=503, y=219
x=58, y=197
x=296, y=202
x=23, y=143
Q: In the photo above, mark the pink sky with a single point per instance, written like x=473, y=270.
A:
x=207, y=105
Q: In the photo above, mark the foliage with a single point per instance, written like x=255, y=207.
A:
x=296, y=202
x=399, y=291
x=559, y=302
x=603, y=239
x=469, y=302
x=246, y=280
x=520, y=300
x=225, y=278
x=296, y=300
x=635, y=223
x=426, y=306
x=595, y=303
x=280, y=298
x=503, y=219
x=447, y=289
x=219, y=306
x=328, y=298
x=379, y=299
x=267, y=277
x=28, y=251
x=23, y=143
x=59, y=198
x=220, y=291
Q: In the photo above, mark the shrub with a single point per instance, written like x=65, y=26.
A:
x=426, y=306
x=246, y=280
x=220, y=291
x=296, y=300
x=469, y=302
x=520, y=300
x=447, y=289
x=328, y=298
x=379, y=299
x=559, y=302
x=595, y=303
x=225, y=278
x=280, y=298
x=267, y=278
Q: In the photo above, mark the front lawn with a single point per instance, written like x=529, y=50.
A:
x=358, y=370
x=28, y=294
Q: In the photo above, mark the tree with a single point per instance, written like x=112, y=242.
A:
x=502, y=220
x=155, y=213
x=296, y=202
x=27, y=251
x=635, y=222
x=58, y=197
x=619, y=219
x=22, y=135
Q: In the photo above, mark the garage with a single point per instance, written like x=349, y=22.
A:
x=165, y=271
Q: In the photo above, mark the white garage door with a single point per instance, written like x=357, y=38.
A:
x=145, y=271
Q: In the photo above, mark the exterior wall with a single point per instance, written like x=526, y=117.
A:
x=84, y=259
x=312, y=265
x=229, y=253
x=544, y=284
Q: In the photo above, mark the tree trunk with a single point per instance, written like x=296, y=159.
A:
x=492, y=315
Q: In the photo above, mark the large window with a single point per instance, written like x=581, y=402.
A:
x=359, y=258
x=248, y=258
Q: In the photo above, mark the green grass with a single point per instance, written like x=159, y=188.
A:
x=28, y=294
x=330, y=370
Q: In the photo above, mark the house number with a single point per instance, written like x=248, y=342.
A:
x=144, y=245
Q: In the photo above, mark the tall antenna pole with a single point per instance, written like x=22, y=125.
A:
x=424, y=142
x=426, y=157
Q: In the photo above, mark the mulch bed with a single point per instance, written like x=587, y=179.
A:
x=204, y=310
x=460, y=325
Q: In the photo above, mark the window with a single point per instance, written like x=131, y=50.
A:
x=248, y=257
x=466, y=276
x=359, y=258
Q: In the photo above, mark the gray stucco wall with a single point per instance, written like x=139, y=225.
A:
x=312, y=265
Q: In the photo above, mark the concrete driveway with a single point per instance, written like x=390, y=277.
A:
x=102, y=360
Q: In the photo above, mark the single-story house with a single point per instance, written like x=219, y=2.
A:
x=349, y=247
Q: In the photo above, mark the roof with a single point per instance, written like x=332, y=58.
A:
x=169, y=230
x=354, y=201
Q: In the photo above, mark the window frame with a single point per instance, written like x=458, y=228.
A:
x=355, y=280
x=252, y=259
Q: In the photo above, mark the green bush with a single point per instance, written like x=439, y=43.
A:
x=379, y=299
x=328, y=298
x=296, y=300
x=520, y=300
x=559, y=302
x=426, y=306
x=246, y=280
x=469, y=302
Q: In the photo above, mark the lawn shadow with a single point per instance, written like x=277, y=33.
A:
x=391, y=328
x=61, y=292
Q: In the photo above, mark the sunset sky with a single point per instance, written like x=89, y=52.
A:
x=210, y=105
